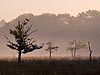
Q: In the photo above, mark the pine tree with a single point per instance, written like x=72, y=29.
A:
x=51, y=48
x=24, y=43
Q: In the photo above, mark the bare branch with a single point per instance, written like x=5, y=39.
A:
x=32, y=32
x=6, y=38
x=28, y=29
x=26, y=21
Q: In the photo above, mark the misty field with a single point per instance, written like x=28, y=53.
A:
x=50, y=67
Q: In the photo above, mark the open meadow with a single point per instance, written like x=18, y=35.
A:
x=50, y=67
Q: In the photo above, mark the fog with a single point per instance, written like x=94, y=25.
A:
x=59, y=29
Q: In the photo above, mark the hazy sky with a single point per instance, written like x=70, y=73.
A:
x=10, y=9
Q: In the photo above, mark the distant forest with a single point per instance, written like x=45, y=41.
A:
x=60, y=28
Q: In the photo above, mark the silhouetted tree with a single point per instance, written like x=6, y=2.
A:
x=90, y=55
x=74, y=46
x=51, y=48
x=23, y=43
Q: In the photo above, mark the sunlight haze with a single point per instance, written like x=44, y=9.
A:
x=10, y=9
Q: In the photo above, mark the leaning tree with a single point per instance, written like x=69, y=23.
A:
x=74, y=46
x=23, y=43
x=51, y=48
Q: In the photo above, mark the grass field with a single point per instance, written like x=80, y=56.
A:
x=50, y=67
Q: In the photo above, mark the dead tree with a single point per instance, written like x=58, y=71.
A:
x=51, y=48
x=23, y=43
x=90, y=55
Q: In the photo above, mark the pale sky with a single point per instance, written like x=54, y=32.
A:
x=10, y=9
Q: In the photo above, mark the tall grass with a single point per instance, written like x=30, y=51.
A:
x=50, y=67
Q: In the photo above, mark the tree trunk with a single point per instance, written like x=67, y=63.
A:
x=74, y=53
x=50, y=53
x=90, y=55
x=19, y=56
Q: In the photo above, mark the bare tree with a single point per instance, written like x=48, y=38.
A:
x=23, y=41
x=74, y=46
x=51, y=48
x=90, y=55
